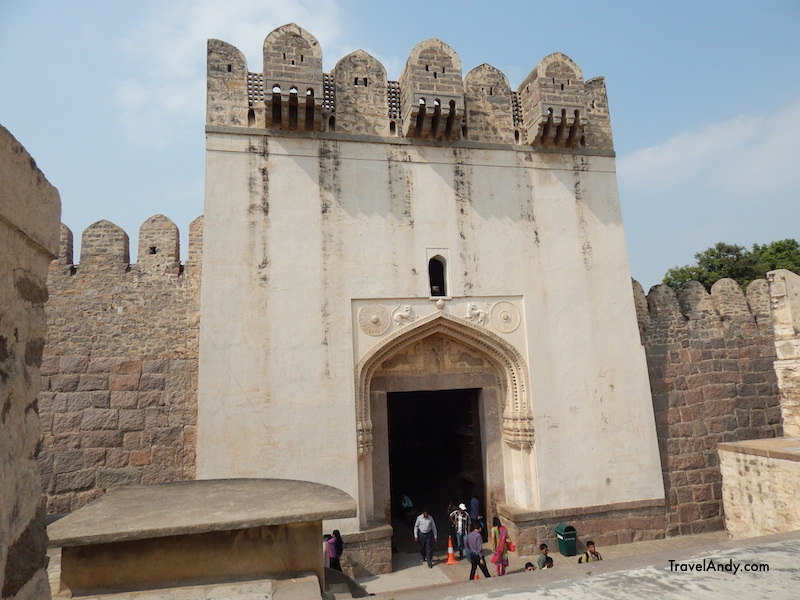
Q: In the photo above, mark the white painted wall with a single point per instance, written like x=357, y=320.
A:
x=351, y=220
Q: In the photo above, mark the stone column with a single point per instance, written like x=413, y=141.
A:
x=29, y=236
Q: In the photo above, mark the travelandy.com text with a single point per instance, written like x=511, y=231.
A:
x=726, y=566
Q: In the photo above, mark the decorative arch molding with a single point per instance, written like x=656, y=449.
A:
x=517, y=413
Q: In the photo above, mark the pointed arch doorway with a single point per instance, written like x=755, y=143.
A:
x=471, y=386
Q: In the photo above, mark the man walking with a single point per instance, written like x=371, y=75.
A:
x=425, y=534
x=461, y=523
x=475, y=546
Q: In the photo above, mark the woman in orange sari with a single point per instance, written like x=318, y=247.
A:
x=499, y=546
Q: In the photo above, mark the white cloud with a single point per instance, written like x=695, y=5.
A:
x=745, y=155
x=164, y=88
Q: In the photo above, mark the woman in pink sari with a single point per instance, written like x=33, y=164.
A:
x=499, y=546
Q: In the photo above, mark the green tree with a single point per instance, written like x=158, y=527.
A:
x=737, y=262
x=784, y=254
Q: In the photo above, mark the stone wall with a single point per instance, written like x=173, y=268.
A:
x=760, y=479
x=710, y=361
x=118, y=400
x=29, y=216
x=119, y=373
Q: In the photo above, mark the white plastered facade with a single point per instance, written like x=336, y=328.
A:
x=303, y=232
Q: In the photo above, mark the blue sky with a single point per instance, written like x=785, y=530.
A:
x=109, y=96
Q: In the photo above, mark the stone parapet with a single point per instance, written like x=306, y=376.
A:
x=760, y=479
x=118, y=393
x=29, y=239
x=368, y=552
x=553, y=109
x=710, y=361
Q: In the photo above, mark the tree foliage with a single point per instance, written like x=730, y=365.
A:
x=737, y=262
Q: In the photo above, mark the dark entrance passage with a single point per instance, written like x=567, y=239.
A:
x=434, y=455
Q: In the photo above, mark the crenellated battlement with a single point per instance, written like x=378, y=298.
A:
x=106, y=247
x=725, y=302
x=553, y=108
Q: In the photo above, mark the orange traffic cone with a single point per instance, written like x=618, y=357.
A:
x=451, y=557
x=476, y=576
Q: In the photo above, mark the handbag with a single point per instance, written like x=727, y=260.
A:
x=511, y=546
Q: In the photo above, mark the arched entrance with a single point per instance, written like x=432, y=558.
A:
x=448, y=367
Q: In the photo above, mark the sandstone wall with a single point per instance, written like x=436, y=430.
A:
x=29, y=216
x=760, y=479
x=710, y=361
x=119, y=374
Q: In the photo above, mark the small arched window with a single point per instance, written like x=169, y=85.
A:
x=436, y=276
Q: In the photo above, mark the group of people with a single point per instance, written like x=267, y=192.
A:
x=467, y=528
x=545, y=562
x=469, y=538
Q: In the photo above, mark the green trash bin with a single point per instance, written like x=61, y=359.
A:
x=567, y=539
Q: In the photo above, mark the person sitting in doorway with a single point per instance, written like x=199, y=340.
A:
x=591, y=553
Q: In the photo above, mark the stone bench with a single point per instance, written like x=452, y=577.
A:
x=150, y=536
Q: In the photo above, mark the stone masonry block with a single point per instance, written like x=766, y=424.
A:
x=64, y=383
x=167, y=436
x=100, y=418
x=101, y=365
x=162, y=455
x=102, y=439
x=135, y=440
x=131, y=420
x=74, y=364
x=116, y=458
x=123, y=382
x=94, y=457
x=100, y=399
x=121, y=399
x=78, y=401
x=159, y=365
x=76, y=480
x=67, y=461
x=50, y=365
x=91, y=382
x=128, y=366
x=151, y=381
x=64, y=423
x=149, y=399
x=109, y=478
x=139, y=458
x=156, y=417
x=160, y=474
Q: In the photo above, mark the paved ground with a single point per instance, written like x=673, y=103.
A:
x=628, y=572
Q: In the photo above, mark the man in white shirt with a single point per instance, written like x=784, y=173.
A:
x=425, y=533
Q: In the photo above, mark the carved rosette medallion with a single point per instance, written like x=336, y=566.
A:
x=373, y=319
x=505, y=316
